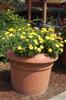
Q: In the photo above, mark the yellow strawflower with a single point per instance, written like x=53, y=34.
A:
x=23, y=33
x=61, y=50
x=30, y=36
x=65, y=41
x=10, y=35
x=44, y=30
x=61, y=41
x=3, y=38
x=59, y=38
x=39, y=49
x=49, y=50
x=11, y=30
x=34, y=33
x=53, y=35
x=19, y=47
x=19, y=29
x=47, y=37
x=22, y=37
x=36, y=28
x=61, y=45
x=41, y=40
x=41, y=46
x=30, y=47
x=6, y=33
x=57, y=45
x=28, y=24
x=35, y=41
x=51, y=30
x=52, y=39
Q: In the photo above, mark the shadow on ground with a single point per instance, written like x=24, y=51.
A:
x=5, y=83
x=59, y=68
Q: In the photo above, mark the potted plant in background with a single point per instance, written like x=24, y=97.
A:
x=31, y=52
x=63, y=56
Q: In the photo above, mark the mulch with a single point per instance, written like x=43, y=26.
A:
x=57, y=84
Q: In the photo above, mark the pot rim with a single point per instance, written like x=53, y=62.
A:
x=37, y=59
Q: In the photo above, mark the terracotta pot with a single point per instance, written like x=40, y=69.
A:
x=30, y=75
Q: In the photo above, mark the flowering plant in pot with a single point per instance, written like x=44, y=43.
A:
x=63, y=55
x=31, y=52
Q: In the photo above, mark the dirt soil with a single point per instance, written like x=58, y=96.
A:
x=57, y=84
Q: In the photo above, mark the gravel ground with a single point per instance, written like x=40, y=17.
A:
x=57, y=84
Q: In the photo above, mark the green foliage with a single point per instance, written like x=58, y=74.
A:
x=9, y=19
x=63, y=31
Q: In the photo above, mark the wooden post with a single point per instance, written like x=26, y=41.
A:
x=44, y=10
x=44, y=6
x=29, y=9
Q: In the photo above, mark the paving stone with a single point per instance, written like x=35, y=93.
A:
x=61, y=96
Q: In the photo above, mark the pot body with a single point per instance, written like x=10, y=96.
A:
x=30, y=75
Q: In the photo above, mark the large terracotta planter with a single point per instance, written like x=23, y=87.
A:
x=30, y=75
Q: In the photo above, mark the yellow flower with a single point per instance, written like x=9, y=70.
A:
x=35, y=41
x=53, y=35
x=3, y=38
x=23, y=33
x=6, y=33
x=49, y=50
x=61, y=45
x=61, y=50
x=61, y=41
x=30, y=47
x=39, y=49
x=47, y=37
x=41, y=46
x=59, y=38
x=34, y=33
x=22, y=37
x=19, y=47
x=30, y=36
x=11, y=35
x=28, y=29
x=44, y=30
x=28, y=24
x=41, y=40
x=52, y=39
x=57, y=45
x=19, y=29
x=65, y=41
x=11, y=30
x=36, y=28
x=51, y=30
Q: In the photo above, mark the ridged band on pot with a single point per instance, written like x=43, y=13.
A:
x=30, y=75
